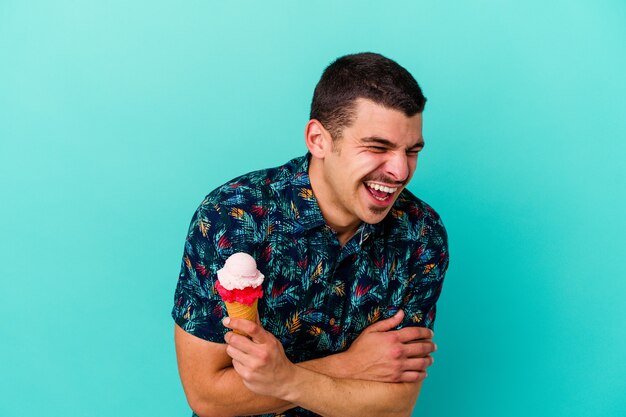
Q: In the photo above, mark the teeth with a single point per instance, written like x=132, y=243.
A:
x=379, y=187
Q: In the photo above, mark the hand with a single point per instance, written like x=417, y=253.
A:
x=259, y=360
x=386, y=355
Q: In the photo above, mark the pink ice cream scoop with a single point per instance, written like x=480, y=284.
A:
x=240, y=280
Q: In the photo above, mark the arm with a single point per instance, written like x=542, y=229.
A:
x=265, y=370
x=213, y=387
x=333, y=397
x=382, y=354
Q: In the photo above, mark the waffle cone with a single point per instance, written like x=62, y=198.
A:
x=242, y=311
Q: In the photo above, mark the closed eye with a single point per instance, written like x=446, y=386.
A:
x=377, y=149
x=415, y=149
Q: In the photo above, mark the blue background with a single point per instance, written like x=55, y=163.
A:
x=117, y=117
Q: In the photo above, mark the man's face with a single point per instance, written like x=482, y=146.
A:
x=370, y=164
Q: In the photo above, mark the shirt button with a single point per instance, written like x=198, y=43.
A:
x=332, y=321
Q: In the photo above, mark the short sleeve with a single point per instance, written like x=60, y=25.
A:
x=198, y=308
x=427, y=269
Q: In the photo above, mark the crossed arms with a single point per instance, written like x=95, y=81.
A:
x=380, y=374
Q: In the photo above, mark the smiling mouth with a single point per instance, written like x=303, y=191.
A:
x=380, y=192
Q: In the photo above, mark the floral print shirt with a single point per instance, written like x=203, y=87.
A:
x=318, y=296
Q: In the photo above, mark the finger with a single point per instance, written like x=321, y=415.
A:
x=240, y=368
x=418, y=349
x=386, y=324
x=408, y=334
x=252, y=329
x=242, y=343
x=418, y=364
x=236, y=355
x=413, y=376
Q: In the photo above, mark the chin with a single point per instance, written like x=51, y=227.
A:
x=375, y=215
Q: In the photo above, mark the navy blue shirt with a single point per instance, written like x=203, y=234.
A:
x=318, y=296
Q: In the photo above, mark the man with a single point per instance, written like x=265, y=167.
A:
x=354, y=264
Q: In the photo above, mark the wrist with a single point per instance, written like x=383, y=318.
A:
x=301, y=385
x=341, y=365
x=337, y=365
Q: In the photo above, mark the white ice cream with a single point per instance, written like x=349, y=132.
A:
x=240, y=272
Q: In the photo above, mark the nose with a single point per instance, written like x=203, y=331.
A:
x=397, y=166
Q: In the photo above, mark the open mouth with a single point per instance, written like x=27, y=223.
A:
x=380, y=192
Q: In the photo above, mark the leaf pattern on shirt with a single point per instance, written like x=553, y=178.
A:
x=318, y=296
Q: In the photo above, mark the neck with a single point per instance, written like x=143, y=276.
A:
x=342, y=223
x=344, y=237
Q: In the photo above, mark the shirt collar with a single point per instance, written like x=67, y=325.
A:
x=304, y=206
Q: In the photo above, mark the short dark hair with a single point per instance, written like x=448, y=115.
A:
x=364, y=75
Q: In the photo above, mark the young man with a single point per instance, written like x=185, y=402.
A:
x=354, y=264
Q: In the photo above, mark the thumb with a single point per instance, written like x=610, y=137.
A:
x=387, y=324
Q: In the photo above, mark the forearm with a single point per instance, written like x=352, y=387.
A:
x=230, y=397
x=340, y=397
x=378, y=375
x=226, y=395
x=212, y=386
x=333, y=365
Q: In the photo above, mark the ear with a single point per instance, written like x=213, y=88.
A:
x=317, y=138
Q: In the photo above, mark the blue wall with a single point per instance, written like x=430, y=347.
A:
x=117, y=117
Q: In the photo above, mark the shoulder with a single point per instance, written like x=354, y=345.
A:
x=253, y=187
x=234, y=215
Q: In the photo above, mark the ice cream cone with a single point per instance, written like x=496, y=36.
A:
x=242, y=311
x=239, y=285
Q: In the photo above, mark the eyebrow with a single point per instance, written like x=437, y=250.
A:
x=388, y=143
